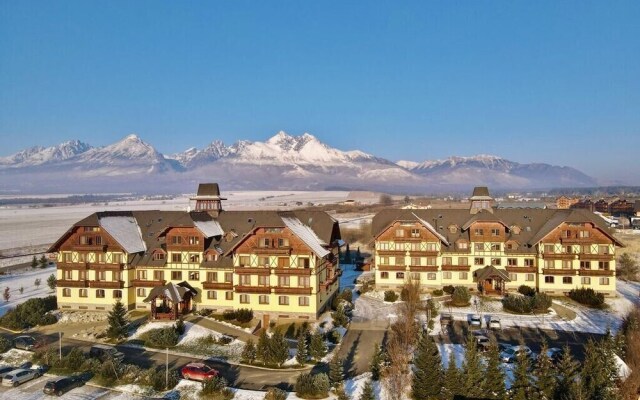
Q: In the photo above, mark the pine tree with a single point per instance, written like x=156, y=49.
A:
x=376, y=362
x=451, y=383
x=262, y=350
x=567, y=371
x=279, y=348
x=347, y=255
x=521, y=385
x=317, y=347
x=472, y=370
x=336, y=371
x=367, y=392
x=43, y=261
x=34, y=262
x=494, y=387
x=118, y=321
x=303, y=348
x=428, y=375
x=249, y=352
x=599, y=370
x=37, y=282
x=52, y=282
x=339, y=316
x=6, y=294
x=544, y=374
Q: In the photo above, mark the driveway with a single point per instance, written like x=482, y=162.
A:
x=359, y=343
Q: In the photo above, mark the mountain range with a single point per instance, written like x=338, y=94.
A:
x=282, y=162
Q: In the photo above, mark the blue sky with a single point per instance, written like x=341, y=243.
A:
x=546, y=81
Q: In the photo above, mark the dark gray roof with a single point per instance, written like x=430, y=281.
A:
x=491, y=272
x=480, y=191
x=208, y=189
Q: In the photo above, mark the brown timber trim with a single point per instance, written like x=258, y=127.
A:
x=452, y=267
x=293, y=271
x=106, y=267
x=147, y=283
x=559, y=271
x=423, y=253
x=106, y=284
x=522, y=269
x=425, y=268
x=69, y=283
x=292, y=290
x=559, y=256
x=392, y=267
x=75, y=267
x=595, y=257
x=270, y=250
x=252, y=271
x=253, y=289
x=217, y=285
x=392, y=252
x=595, y=272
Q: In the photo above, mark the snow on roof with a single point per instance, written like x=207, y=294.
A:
x=209, y=228
x=307, y=235
x=125, y=230
x=432, y=229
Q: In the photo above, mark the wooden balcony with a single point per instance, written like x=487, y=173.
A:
x=217, y=285
x=292, y=271
x=452, y=267
x=292, y=290
x=253, y=289
x=391, y=252
x=252, y=270
x=87, y=247
x=106, y=267
x=68, y=283
x=423, y=253
x=392, y=267
x=424, y=268
x=280, y=251
x=73, y=266
x=106, y=284
x=558, y=271
x=521, y=269
x=596, y=272
x=595, y=257
x=147, y=283
x=559, y=256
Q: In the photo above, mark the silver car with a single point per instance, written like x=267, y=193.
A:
x=20, y=376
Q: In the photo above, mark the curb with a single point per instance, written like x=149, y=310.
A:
x=11, y=330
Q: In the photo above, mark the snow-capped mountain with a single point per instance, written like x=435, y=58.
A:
x=281, y=162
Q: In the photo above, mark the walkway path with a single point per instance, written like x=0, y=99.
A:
x=209, y=323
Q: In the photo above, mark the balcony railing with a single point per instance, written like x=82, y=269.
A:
x=69, y=283
x=385, y=267
x=596, y=272
x=147, y=283
x=292, y=271
x=391, y=252
x=253, y=270
x=106, y=284
x=511, y=268
x=253, y=289
x=559, y=256
x=272, y=250
x=595, y=257
x=292, y=290
x=73, y=266
x=452, y=267
x=217, y=285
x=558, y=271
x=423, y=268
x=424, y=253
x=106, y=267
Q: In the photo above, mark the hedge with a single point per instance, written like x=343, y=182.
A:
x=588, y=297
x=31, y=313
x=539, y=302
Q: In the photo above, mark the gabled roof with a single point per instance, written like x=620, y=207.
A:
x=174, y=292
x=431, y=229
x=484, y=217
x=124, y=229
x=306, y=234
x=491, y=272
x=209, y=228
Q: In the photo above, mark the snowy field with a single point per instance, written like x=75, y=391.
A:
x=16, y=280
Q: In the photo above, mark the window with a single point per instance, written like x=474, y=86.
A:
x=512, y=262
x=383, y=246
x=585, y=264
x=549, y=264
x=446, y=275
x=83, y=293
x=176, y=257
x=99, y=240
x=604, y=265
x=228, y=277
x=432, y=261
x=283, y=242
x=384, y=275
x=478, y=232
x=415, y=233
x=384, y=260
x=101, y=258
x=585, y=280
x=417, y=261
x=495, y=232
x=158, y=256
x=66, y=292
x=566, y=234
x=583, y=234
x=265, y=242
x=263, y=299
x=284, y=281
x=478, y=246
x=303, y=301
x=194, y=240
x=603, y=249
x=141, y=292
x=263, y=261
x=283, y=300
x=244, y=299
x=549, y=279
x=176, y=240
x=116, y=276
x=566, y=264
x=101, y=275
x=245, y=280
x=399, y=232
x=496, y=261
x=463, y=245
x=447, y=261
x=303, y=262
x=415, y=276
x=83, y=275
x=117, y=294
x=212, y=295
x=432, y=247
x=399, y=260
x=567, y=280
x=67, y=275
x=194, y=275
x=399, y=275
x=228, y=295
x=431, y=276
x=586, y=249
x=548, y=248
x=244, y=261
x=283, y=262
x=513, y=277
x=529, y=262
x=211, y=256
x=304, y=281
x=496, y=247
x=529, y=277
x=194, y=258
x=463, y=275
x=176, y=275
x=463, y=261
x=478, y=261
x=99, y=293
x=604, y=281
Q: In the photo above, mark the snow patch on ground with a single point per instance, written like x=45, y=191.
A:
x=24, y=279
x=66, y=317
x=16, y=357
x=191, y=332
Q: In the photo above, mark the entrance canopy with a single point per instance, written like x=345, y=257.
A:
x=175, y=300
x=491, y=272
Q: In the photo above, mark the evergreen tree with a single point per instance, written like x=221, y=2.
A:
x=37, y=282
x=521, y=385
x=278, y=348
x=43, y=261
x=339, y=316
x=367, y=392
x=599, y=370
x=428, y=376
x=336, y=371
x=347, y=255
x=303, y=348
x=567, y=371
x=118, y=321
x=52, y=282
x=317, y=347
x=376, y=362
x=494, y=387
x=340, y=393
x=6, y=294
x=262, y=349
x=249, y=352
x=34, y=262
x=451, y=384
x=472, y=370
x=544, y=374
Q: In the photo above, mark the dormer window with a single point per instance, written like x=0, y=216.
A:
x=399, y=232
x=415, y=233
x=158, y=256
x=265, y=242
x=283, y=242
x=453, y=228
x=515, y=229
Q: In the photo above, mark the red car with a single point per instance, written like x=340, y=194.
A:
x=198, y=371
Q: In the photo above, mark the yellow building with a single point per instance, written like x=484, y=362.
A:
x=280, y=264
x=492, y=250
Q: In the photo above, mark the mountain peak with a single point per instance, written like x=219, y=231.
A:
x=280, y=137
x=132, y=138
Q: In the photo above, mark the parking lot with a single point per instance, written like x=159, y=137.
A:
x=33, y=390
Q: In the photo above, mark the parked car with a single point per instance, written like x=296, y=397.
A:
x=20, y=376
x=61, y=386
x=104, y=352
x=4, y=370
x=510, y=354
x=494, y=323
x=475, y=322
x=25, y=343
x=555, y=354
x=483, y=343
x=198, y=372
x=446, y=319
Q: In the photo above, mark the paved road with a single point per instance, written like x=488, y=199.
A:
x=33, y=390
x=358, y=345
